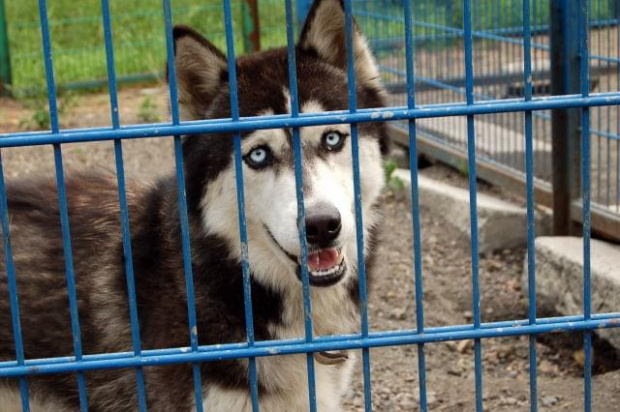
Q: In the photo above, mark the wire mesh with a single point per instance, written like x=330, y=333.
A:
x=498, y=34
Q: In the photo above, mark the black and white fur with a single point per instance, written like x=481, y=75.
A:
x=273, y=240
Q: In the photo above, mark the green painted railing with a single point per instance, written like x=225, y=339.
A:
x=5, y=57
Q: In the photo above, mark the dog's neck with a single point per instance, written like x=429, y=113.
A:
x=334, y=311
x=279, y=312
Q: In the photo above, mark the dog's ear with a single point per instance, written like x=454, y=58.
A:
x=201, y=71
x=324, y=34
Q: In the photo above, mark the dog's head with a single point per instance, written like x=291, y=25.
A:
x=268, y=160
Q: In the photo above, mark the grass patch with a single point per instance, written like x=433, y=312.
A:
x=148, y=111
x=76, y=31
x=140, y=49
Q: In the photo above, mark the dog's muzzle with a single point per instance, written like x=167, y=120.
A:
x=326, y=266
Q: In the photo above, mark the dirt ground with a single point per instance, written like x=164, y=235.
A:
x=447, y=288
x=447, y=301
x=144, y=158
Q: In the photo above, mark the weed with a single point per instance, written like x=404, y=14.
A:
x=394, y=184
x=463, y=168
x=148, y=112
x=38, y=104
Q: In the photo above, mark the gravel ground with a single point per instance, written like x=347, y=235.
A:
x=144, y=158
x=447, y=301
x=447, y=289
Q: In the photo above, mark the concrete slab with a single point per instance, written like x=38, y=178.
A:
x=501, y=224
x=559, y=278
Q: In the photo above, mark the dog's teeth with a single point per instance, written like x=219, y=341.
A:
x=329, y=271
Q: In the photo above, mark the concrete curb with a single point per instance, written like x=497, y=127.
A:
x=559, y=278
x=501, y=225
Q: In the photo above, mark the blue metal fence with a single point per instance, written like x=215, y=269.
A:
x=498, y=30
x=411, y=113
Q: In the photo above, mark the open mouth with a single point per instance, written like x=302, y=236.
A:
x=326, y=266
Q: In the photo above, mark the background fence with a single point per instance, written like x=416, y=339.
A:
x=497, y=30
x=503, y=91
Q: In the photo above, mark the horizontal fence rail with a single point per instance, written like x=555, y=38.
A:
x=430, y=56
x=323, y=343
x=305, y=119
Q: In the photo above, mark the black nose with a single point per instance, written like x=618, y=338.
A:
x=322, y=224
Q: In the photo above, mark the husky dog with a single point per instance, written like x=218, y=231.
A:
x=273, y=240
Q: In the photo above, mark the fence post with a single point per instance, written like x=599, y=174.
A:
x=565, y=124
x=251, y=26
x=5, y=58
x=303, y=7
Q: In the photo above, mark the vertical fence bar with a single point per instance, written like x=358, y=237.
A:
x=361, y=263
x=565, y=133
x=415, y=203
x=617, y=17
x=303, y=6
x=247, y=292
x=12, y=286
x=182, y=199
x=234, y=108
x=62, y=203
x=515, y=10
x=68, y=255
x=5, y=51
x=608, y=110
x=491, y=141
x=301, y=212
x=584, y=44
x=529, y=177
x=49, y=67
x=473, y=211
x=131, y=288
x=109, y=50
x=599, y=139
x=122, y=197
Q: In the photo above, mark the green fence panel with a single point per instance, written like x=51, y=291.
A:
x=5, y=63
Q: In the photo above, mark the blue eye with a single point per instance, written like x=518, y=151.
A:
x=333, y=140
x=258, y=157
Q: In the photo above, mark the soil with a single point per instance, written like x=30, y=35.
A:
x=144, y=158
x=447, y=288
x=448, y=301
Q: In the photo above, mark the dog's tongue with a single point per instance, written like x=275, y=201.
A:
x=323, y=259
